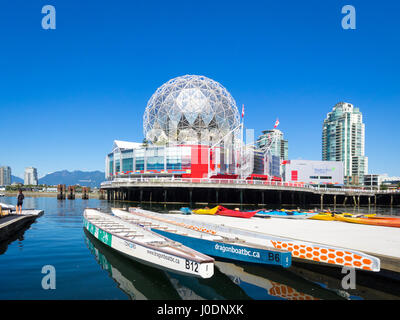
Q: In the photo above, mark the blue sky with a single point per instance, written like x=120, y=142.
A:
x=66, y=94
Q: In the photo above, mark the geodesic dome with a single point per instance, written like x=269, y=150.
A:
x=190, y=109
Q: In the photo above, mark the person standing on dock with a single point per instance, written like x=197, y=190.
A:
x=20, y=200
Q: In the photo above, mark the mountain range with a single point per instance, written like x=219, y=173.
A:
x=84, y=178
x=16, y=179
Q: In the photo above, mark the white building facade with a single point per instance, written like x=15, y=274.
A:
x=30, y=176
x=376, y=180
x=313, y=172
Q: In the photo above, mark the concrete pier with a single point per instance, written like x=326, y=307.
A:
x=381, y=242
x=241, y=192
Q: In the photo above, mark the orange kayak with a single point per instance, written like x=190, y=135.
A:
x=375, y=221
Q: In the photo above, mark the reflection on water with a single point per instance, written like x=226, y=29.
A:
x=19, y=235
x=138, y=281
x=84, y=264
x=229, y=282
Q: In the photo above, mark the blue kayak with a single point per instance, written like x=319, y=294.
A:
x=186, y=210
x=285, y=214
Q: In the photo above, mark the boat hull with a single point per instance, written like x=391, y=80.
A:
x=232, y=251
x=149, y=256
x=234, y=213
x=323, y=216
x=284, y=215
x=327, y=216
x=373, y=221
x=206, y=211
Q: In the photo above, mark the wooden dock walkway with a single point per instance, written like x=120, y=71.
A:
x=10, y=224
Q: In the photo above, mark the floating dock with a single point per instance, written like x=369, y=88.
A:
x=377, y=241
x=10, y=224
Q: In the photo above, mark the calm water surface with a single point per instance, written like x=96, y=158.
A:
x=87, y=269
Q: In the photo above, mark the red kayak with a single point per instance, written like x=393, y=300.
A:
x=235, y=213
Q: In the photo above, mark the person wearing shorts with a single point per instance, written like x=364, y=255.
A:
x=20, y=200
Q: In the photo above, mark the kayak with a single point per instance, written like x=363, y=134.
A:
x=375, y=221
x=185, y=210
x=286, y=214
x=324, y=216
x=235, y=213
x=331, y=216
x=206, y=210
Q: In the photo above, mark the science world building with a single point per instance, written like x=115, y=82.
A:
x=192, y=129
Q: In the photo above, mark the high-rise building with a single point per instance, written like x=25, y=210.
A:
x=30, y=177
x=274, y=138
x=343, y=139
x=5, y=176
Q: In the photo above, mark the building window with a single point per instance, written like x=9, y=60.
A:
x=111, y=167
x=127, y=164
x=155, y=163
x=117, y=166
x=139, y=163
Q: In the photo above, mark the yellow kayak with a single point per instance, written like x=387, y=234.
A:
x=206, y=210
x=327, y=216
x=330, y=216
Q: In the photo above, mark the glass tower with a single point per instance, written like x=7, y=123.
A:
x=343, y=139
x=274, y=137
x=5, y=176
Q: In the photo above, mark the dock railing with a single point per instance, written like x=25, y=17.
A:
x=274, y=184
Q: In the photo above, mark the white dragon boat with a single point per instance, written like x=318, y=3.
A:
x=146, y=246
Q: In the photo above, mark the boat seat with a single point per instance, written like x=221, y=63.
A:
x=135, y=235
x=165, y=244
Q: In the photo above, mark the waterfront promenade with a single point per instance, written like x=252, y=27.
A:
x=236, y=191
x=37, y=194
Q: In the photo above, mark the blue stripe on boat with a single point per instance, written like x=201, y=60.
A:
x=231, y=251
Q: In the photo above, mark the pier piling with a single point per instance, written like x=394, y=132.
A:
x=61, y=192
x=85, y=193
x=101, y=194
x=71, y=193
x=322, y=201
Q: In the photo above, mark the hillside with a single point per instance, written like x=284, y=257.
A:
x=83, y=178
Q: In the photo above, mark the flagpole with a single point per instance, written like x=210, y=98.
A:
x=241, y=143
